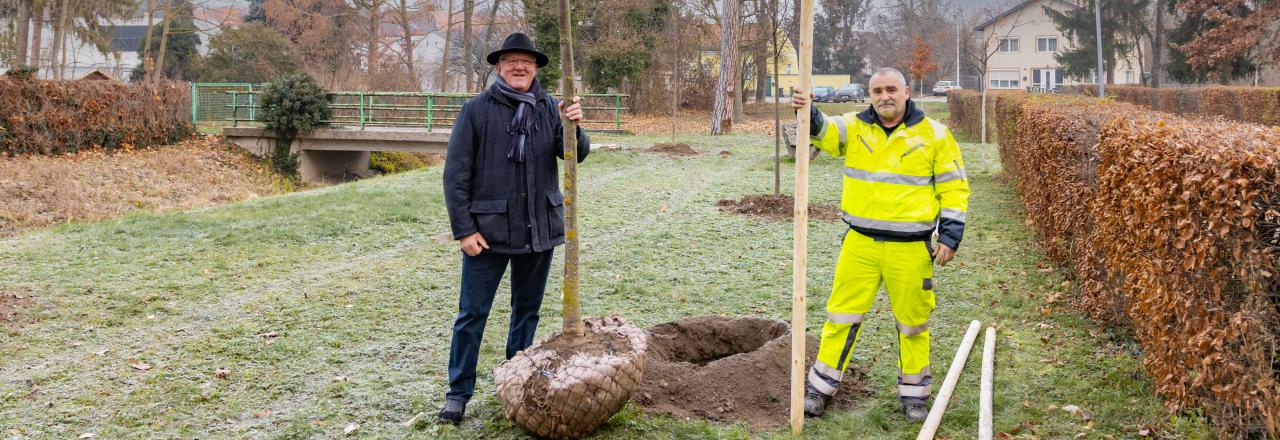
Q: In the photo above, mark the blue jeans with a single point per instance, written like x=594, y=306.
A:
x=480, y=277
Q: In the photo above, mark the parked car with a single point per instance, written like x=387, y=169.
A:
x=850, y=92
x=942, y=87
x=823, y=93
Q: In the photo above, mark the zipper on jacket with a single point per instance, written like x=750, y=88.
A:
x=864, y=143
x=917, y=147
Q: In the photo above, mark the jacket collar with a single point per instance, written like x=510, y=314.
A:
x=914, y=114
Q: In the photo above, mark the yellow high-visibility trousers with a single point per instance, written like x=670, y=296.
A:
x=905, y=269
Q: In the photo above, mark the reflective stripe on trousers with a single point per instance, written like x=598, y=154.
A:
x=905, y=270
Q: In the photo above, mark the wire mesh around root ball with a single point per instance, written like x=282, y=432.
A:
x=565, y=388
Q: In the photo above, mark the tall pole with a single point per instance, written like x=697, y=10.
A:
x=572, y=312
x=801, y=216
x=777, y=99
x=1097, y=20
x=957, y=49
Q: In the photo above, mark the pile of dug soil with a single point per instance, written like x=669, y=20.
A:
x=730, y=370
x=776, y=207
x=673, y=149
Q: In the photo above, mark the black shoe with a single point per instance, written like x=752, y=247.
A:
x=815, y=403
x=915, y=411
x=452, y=412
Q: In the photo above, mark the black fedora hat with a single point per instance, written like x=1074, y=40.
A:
x=518, y=42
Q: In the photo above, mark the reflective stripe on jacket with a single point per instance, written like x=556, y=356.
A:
x=900, y=186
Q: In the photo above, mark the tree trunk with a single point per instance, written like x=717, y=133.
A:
x=572, y=325
x=722, y=112
x=37, y=29
x=675, y=71
x=164, y=43
x=467, y=61
x=148, y=62
x=762, y=70
x=444, y=61
x=1157, y=46
x=55, y=71
x=371, y=58
x=406, y=44
x=740, y=97
x=488, y=33
x=20, y=39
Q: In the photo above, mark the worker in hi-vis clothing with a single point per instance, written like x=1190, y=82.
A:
x=904, y=180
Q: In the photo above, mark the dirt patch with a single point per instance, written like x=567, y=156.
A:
x=776, y=207
x=15, y=307
x=673, y=149
x=730, y=370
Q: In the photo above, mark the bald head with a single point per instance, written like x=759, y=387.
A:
x=890, y=72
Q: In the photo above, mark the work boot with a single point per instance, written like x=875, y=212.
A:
x=815, y=403
x=914, y=410
x=452, y=412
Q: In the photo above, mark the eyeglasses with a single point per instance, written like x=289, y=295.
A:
x=518, y=62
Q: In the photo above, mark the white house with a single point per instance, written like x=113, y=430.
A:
x=125, y=37
x=1026, y=40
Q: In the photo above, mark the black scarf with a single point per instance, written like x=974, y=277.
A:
x=521, y=125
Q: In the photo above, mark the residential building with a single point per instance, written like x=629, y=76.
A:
x=1026, y=40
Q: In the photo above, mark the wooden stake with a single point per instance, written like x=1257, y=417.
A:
x=953, y=375
x=987, y=387
x=800, y=256
x=572, y=311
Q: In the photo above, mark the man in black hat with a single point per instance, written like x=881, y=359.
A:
x=502, y=190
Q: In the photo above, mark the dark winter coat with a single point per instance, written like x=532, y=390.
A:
x=517, y=207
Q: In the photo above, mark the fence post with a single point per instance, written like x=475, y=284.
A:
x=430, y=113
x=235, y=111
x=195, y=101
x=360, y=106
x=253, y=110
x=617, y=112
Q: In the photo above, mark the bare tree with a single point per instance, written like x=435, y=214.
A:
x=467, y=7
x=20, y=39
x=373, y=14
x=405, y=14
x=37, y=28
x=444, y=57
x=987, y=44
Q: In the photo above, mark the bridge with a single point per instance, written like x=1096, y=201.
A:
x=362, y=123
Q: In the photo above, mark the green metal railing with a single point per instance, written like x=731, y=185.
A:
x=409, y=109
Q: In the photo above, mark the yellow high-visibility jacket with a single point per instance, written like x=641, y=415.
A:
x=902, y=186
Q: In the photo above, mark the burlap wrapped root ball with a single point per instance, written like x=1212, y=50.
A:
x=565, y=389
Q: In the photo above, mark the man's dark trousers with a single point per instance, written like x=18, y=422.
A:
x=480, y=277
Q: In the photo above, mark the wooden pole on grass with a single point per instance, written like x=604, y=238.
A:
x=949, y=385
x=572, y=312
x=800, y=256
x=987, y=387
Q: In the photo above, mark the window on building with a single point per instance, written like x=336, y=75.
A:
x=1008, y=44
x=126, y=38
x=1003, y=79
x=1047, y=44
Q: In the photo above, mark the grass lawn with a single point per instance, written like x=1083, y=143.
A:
x=334, y=307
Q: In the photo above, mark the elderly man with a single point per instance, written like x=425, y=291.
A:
x=502, y=191
x=904, y=181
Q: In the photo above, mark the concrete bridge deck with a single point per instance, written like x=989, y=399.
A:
x=330, y=154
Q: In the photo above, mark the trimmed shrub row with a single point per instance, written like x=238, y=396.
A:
x=57, y=117
x=1258, y=105
x=1180, y=240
